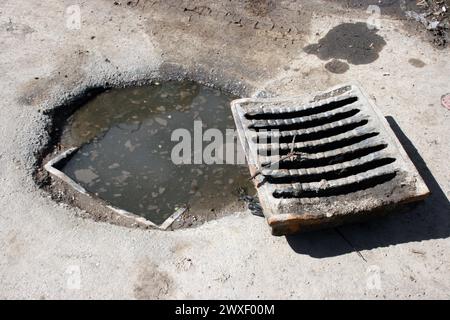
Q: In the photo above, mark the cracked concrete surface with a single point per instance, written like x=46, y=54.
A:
x=250, y=48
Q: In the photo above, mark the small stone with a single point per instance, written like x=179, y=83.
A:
x=161, y=121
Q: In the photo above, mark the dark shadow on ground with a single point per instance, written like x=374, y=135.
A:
x=426, y=220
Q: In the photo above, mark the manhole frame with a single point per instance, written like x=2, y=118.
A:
x=51, y=168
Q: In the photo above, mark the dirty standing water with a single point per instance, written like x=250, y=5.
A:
x=125, y=153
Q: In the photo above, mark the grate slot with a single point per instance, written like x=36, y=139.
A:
x=315, y=133
x=322, y=145
x=333, y=173
x=304, y=122
x=330, y=160
x=300, y=111
x=339, y=187
x=332, y=154
x=334, y=144
x=263, y=134
x=327, y=133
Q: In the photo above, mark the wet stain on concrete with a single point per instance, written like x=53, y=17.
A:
x=274, y=32
x=151, y=282
x=417, y=63
x=394, y=8
x=38, y=89
x=353, y=42
x=17, y=29
x=14, y=249
x=260, y=7
x=337, y=66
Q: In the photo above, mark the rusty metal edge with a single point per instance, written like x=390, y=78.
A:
x=292, y=223
x=50, y=167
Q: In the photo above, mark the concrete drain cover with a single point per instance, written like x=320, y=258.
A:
x=323, y=160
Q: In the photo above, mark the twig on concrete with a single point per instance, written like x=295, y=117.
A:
x=291, y=155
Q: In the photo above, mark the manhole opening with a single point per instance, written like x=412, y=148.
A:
x=165, y=155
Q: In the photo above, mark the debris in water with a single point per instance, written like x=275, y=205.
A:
x=125, y=146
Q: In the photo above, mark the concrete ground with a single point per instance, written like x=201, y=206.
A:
x=49, y=251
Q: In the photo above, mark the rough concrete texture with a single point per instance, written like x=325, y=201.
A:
x=249, y=47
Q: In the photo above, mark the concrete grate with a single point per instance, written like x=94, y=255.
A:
x=324, y=160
